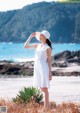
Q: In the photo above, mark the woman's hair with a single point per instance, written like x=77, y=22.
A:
x=49, y=43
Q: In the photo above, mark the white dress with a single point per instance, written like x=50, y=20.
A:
x=41, y=68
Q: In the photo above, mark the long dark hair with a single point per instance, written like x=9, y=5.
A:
x=49, y=43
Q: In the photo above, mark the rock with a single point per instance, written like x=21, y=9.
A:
x=56, y=73
x=62, y=56
x=60, y=64
x=74, y=60
x=66, y=55
x=13, y=68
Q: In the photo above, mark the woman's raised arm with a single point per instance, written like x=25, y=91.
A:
x=26, y=45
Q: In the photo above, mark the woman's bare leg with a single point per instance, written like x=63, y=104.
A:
x=46, y=97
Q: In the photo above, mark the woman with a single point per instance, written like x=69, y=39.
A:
x=42, y=64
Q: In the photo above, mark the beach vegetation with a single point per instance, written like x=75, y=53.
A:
x=28, y=94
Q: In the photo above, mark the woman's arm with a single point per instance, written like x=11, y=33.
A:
x=26, y=45
x=49, y=60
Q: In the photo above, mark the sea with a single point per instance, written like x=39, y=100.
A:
x=17, y=53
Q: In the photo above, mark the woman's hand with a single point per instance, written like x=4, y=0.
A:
x=26, y=45
x=33, y=35
x=50, y=76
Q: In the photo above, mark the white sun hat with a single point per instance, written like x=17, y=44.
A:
x=45, y=33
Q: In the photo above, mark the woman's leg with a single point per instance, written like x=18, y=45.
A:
x=46, y=97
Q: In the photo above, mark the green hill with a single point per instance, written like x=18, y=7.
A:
x=62, y=20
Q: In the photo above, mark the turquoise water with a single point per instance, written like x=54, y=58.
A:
x=16, y=51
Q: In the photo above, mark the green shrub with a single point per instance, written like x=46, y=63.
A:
x=26, y=94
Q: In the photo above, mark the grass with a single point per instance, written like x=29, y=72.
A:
x=34, y=107
x=29, y=100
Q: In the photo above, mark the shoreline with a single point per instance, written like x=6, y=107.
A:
x=66, y=63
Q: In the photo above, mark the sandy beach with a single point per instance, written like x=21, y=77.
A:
x=72, y=68
x=61, y=88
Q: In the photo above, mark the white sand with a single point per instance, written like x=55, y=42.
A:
x=62, y=88
x=67, y=69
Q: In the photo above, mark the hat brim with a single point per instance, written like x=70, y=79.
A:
x=38, y=35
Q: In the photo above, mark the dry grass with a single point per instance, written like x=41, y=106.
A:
x=33, y=107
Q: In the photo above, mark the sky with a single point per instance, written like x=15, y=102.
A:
x=17, y=4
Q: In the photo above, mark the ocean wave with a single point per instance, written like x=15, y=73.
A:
x=3, y=42
x=10, y=43
x=72, y=43
x=23, y=59
x=6, y=42
x=17, y=59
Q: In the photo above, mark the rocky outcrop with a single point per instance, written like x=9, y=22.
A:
x=62, y=56
x=13, y=68
x=67, y=57
x=57, y=73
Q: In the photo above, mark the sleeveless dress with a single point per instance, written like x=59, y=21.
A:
x=41, y=68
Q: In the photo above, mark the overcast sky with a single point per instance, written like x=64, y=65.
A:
x=16, y=4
